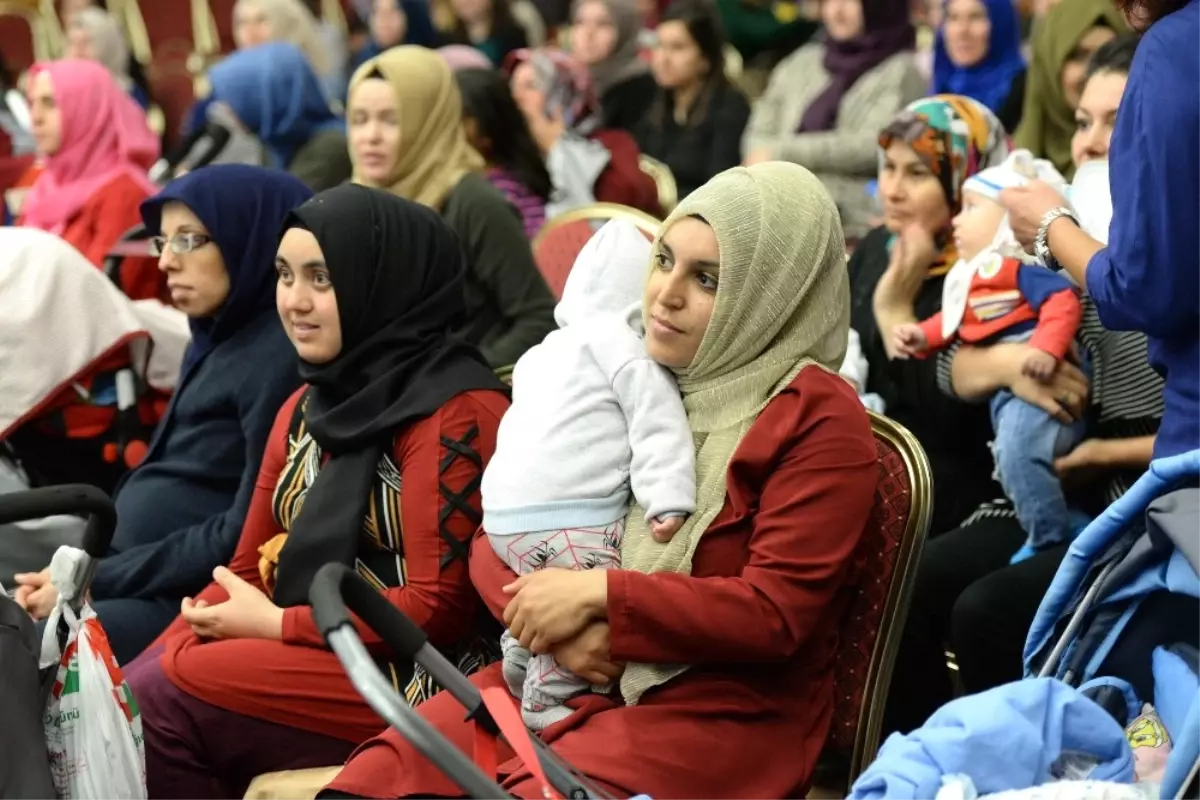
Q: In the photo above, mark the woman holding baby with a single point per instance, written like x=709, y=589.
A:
x=967, y=593
x=748, y=309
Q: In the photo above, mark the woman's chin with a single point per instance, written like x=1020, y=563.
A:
x=314, y=352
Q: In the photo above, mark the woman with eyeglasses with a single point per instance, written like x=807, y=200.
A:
x=180, y=512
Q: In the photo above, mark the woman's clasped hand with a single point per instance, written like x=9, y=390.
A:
x=561, y=611
x=247, y=614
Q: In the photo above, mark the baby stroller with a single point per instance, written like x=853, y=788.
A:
x=1122, y=619
x=336, y=592
x=1112, y=686
x=79, y=362
x=24, y=691
x=85, y=373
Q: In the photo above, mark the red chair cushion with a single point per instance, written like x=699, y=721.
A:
x=16, y=42
x=557, y=250
x=873, y=569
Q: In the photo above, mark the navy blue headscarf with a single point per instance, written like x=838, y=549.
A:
x=243, y=208
x=991, y=79
x=275, y=94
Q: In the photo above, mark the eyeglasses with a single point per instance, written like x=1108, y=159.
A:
x=180, y=243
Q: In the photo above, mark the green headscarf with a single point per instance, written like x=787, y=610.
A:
x=1047, y=120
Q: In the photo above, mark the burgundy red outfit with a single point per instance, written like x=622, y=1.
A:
x=757, y=619
x=288, y=704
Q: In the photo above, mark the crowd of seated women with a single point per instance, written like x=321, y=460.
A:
x=351, y=294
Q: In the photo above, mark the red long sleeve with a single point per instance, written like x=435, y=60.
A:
x=813, y=507
x=438, y=596
x=107, y=216
x=932, y=328
x=490, y=575
x=1058, y=319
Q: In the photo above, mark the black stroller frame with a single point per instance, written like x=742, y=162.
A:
x=24, y=762
x=337, y=591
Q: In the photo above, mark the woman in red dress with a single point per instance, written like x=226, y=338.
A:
x=748, y=301
x=375, y=464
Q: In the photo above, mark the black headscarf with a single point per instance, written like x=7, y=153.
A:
x=397, y=271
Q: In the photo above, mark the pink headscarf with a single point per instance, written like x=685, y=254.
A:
x=104, y=134
x=462, y=56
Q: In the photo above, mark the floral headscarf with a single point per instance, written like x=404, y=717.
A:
x=955, y=137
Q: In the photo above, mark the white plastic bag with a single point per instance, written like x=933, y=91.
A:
x=92, y=724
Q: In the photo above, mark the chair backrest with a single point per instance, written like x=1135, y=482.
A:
x=558, y=243
x=664, y=182
x=884, y=565
x=25, y=36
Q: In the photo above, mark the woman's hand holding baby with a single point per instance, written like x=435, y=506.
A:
x=587, y=654
x=552, y=605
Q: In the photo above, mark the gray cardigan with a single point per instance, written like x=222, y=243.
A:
x=847, y=157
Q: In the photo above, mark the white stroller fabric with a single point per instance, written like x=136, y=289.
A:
x=61, y=315
x=961, y=787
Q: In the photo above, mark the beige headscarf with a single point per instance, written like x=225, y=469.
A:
x=108, y=43
x=434, y=152
x=292, y=22
x=783, y=304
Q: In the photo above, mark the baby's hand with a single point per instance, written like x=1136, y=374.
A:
x=908, y=340
x=1039, y=365
x=664, y=529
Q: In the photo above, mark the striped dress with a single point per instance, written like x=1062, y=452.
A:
x=380, y=558
x=1126, y=398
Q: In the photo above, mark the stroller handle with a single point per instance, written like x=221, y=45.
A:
x=336, y=590
x=333, y=620
x=67, y=499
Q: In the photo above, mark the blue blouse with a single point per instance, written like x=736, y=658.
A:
x=1148, y=278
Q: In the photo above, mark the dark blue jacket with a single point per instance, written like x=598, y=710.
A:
x=180, y=513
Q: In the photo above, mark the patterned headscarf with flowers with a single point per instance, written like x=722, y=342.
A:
x=567, y=84
x=955, y=137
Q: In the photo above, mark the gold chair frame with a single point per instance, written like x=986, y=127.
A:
x=601, y=211
x=664, y=182
x=899, y=596
x=203, y=48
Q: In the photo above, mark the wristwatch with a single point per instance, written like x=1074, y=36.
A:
x=1041, y=248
